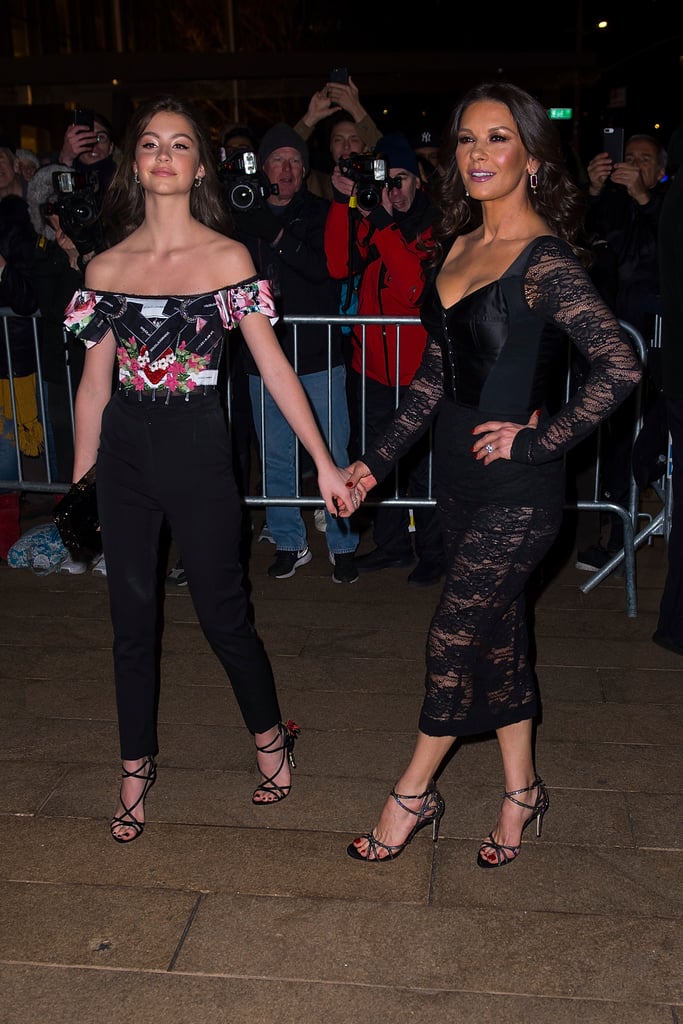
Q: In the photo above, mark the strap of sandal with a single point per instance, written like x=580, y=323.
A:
x=500, y=849
x=147, y=773
x=286, y=735
x=400, y=797
x=516, y=792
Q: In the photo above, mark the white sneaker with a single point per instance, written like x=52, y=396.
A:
x=98, y=566
x=70, y=567
x=319, y=520
x=266, y=535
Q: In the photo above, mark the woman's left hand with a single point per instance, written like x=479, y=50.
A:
x=340, y=495
x=494, y=439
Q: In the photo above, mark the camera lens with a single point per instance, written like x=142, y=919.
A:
x=83, y=212
x=369, y=196
x=243, y=196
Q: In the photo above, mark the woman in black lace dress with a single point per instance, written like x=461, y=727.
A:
x=158, y=303
x=509, y=293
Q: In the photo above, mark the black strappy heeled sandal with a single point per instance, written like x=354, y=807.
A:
x=506, y=854
x=430, y=813
x=287, y=734
x=147, y=773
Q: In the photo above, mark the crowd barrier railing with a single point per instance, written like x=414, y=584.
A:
x=32, y=478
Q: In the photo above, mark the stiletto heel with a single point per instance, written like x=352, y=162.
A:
x=506, y=854
x=430, y=812
x=147, y=773
x=287, y=734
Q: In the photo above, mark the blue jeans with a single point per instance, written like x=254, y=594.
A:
x=285, y=522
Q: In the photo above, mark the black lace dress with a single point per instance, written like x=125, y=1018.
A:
x=499, y=354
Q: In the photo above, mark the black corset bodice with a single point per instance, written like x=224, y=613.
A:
x=497, y=352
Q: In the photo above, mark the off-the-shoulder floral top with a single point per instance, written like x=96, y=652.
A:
x=167, y=342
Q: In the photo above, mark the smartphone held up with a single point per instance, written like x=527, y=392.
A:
x=613, y=144
x=85, y=117
x=340, y=75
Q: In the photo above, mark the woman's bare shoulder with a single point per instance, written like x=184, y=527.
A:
x=104, y=269
x=233, y=261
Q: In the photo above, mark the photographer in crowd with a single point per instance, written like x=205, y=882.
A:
x=379, y=225
x=337, y=109
x=17, y=244
x=282, y=225
x=88, y=146
x=57, y=271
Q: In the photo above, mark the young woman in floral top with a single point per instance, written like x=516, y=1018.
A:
x=158, y=302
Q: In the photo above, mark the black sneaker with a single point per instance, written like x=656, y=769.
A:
x=345, y=570
x=378, y=559
x=426, y=574
x=287, y=562
x=177, y=576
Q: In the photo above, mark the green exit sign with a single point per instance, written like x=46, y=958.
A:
x=560, y=113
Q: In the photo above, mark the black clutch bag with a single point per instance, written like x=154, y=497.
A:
x=77, y=520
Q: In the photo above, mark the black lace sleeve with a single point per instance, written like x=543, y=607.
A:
x=415, y=413
x=558, y=288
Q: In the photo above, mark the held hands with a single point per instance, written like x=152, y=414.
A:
x=340, y=495
x=360, y=479
x=494, y=439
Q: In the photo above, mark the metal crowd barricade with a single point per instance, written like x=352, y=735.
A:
x=40, y=479
x=629, y=515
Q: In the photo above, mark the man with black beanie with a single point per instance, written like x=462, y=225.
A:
x=284, y=232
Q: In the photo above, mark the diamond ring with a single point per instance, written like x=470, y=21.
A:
x=489, y=448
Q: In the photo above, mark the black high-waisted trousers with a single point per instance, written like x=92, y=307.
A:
x=173, y=459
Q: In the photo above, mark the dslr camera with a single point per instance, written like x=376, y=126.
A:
x=78, y=208
x=244, y=185
x=370, y=174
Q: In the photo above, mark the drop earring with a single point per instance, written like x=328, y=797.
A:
x=533, y=182
x=136, y=178
x=197, y=182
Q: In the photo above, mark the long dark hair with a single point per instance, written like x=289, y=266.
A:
x=123, y=208
x=557, y=198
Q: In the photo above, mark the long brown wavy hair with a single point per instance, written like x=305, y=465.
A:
x=557, y=198
x=123, y=207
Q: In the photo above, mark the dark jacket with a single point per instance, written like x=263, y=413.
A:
x=55, y=282
x=17, y=244
x=630, y=231
x=671, y=278
x=301, y=282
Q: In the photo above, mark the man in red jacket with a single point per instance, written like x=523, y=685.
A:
x=377, y=229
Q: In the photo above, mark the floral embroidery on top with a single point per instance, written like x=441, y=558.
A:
x=176, y=371
x=80, y=311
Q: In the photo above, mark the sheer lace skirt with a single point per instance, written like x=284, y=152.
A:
x=478, y=672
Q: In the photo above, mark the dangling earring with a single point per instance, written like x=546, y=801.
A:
x=136, y=178
x=197, y=182
x=533, y=182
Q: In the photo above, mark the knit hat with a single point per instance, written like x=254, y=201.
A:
x=281, y=136
x=41, y=188
x=398, y=152
x=425, y=138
